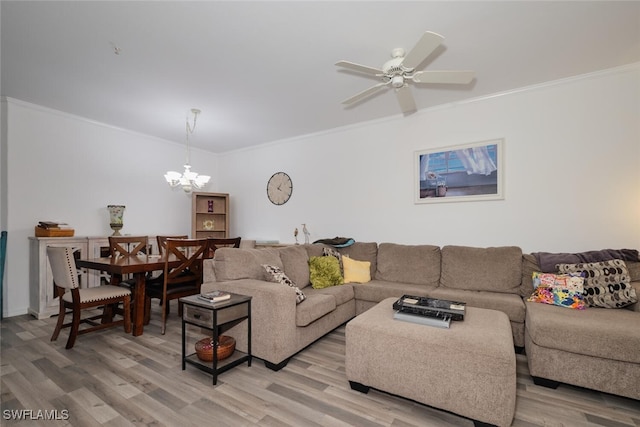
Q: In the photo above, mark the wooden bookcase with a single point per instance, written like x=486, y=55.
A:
x=209, y=215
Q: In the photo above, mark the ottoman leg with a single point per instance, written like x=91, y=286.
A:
x=359, y=387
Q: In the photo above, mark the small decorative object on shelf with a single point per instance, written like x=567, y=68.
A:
x=226, y=347
x=306, y=234
x=295, y=235
x=210, y=206
x=208, y=224
x=115, y=218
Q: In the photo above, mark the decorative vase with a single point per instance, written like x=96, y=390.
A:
x=115, y=218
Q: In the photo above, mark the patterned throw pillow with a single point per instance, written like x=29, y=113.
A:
x=324, y=271
x=606, y=283
x=276, y=275
x=356, y=271
x=564, y=290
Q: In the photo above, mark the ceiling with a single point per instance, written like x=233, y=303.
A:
x=263, y=71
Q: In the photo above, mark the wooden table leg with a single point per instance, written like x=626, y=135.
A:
x=138, y=304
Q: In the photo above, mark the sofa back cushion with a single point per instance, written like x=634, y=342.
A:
x=419, y=264
x=362, y=251
x=296, y=264
x=235, y=263
x=496, y=269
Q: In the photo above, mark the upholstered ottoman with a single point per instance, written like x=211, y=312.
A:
x=468, y=369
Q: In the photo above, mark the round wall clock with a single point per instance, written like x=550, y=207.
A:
x=279, y=188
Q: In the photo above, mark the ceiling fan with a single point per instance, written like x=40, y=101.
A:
x=399, y=71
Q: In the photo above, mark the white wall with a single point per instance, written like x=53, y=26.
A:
x=63, y=167
x=572, y=151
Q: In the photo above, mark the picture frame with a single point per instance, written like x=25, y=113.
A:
x=460, y=173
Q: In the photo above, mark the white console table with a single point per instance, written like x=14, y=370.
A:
x=42, y=303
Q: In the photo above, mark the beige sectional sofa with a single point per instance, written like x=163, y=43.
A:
x=496, y=278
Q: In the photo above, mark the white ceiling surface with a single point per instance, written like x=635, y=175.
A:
x=264, y=71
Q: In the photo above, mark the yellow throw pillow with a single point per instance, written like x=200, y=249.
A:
x=356, y=271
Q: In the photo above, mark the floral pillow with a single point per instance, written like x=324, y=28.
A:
x=564, y=290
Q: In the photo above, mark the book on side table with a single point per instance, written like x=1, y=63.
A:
x=215, y=296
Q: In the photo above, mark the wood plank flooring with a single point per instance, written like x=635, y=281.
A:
x=113, y=379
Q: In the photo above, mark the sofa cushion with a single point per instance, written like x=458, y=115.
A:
x=597, y=332
x=236, y=263
x=377, y=290
x=356, y=271
x=606, y=283
x=295, y=262
x=363, y=251
x=314, y=307
x=324, y=271
x=277, y=275
x=510, y=304
x=497, y=269
x=342, y=294
x=419, y=264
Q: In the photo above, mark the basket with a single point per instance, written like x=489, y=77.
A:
x=226, y=347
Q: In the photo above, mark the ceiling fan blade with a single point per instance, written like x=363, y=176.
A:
x=405, y=99
x=364, y=93
x=425, y=46
x=360, y=68
x=456, y=77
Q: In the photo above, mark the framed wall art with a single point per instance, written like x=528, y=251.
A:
x=460, y=173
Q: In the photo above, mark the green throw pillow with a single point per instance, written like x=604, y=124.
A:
x=324, y=271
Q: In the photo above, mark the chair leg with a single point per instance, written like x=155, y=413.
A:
x=165, y=312
x=61, y=315
x=126, y=307
x=75, y=326
x=147, y=310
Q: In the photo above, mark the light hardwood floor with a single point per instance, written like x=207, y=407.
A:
x=113, y=379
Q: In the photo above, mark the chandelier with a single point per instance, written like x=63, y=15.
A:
x=188, y=180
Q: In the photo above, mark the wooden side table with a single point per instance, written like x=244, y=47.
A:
x=215, y=317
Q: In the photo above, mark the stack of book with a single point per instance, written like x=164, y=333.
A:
x=53, y=229
x=428, y=311
x=215, y=296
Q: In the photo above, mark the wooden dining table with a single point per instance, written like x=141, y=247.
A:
x=138, y=266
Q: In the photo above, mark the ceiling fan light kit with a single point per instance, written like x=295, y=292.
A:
x=399, y=71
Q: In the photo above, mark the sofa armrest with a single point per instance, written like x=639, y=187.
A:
x=208, y=272
x=273, y=317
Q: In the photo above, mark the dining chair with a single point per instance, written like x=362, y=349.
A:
x=179, y=281
x=125, y=246
x=215, y=243
x=67, y=289
x=162, y=241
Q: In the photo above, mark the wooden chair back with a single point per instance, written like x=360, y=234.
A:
x=128, y=245
x=162, y=241
x=215, y=244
